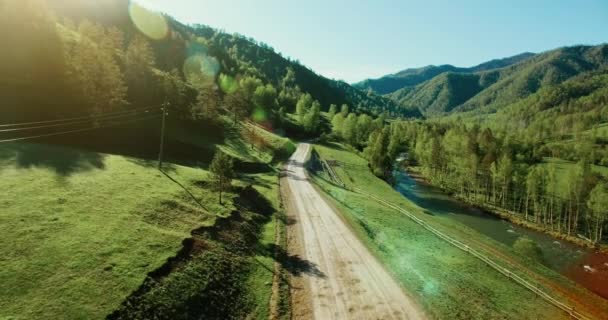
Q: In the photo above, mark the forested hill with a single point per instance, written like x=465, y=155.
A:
x=78, y=57
x=489, y=91
x=411, y=77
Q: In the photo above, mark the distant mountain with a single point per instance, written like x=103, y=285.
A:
x=412, y=77
x=490, y=90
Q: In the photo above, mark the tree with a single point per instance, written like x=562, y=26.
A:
x=312, y=118
x=303, y=105
x=207, y=103
x=349, y=129
x=333, y=109
x=139, y=62
x=249, y=85
x=265, y=97
x=364, y=128
x=598, y=205
x=529, y=249
x=344, y=110
x=94, y=68
x=236, y=102
x=377, y=154
x=222, y=172
x=337, y=123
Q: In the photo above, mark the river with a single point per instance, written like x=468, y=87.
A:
x=562, y=256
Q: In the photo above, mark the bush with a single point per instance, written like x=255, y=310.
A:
x=528, y=248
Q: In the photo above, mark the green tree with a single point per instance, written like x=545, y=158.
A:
x=222, y=172
x=344, y=110
x=312, y=118
x=349, y=129
x=303, y=106
x=364, y=128
x=529, y=249
x=598, y=205
x=333, y=109
x=237, y=103
x=94, y=68
x=337, y=122
x=265, y=97
x=377, y=154
x=207, y=103
x=139, y=61
x=249, y=86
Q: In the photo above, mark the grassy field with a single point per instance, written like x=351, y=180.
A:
x=81, y=230
x=447, y=282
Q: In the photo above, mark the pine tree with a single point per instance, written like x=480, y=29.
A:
x=222, y=172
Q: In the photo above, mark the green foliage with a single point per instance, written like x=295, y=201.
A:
x=312, y=118
x=303, y=106
x=265, y=97
x=598, y=204
x=222, y=172
x=528, y=248
x=377, y=153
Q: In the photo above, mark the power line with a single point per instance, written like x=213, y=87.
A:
x=89, y=117
x=78, y=130
x=73, y=123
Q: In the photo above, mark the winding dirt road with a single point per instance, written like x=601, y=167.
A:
x=335, y=275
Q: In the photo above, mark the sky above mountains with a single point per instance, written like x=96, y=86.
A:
x=354, y=40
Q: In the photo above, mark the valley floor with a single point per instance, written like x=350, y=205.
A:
x=447, y=282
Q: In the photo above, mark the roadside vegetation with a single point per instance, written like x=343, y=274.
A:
x=432, y=269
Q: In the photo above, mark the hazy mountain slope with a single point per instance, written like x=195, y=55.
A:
x=551, y=68
x=412, y=77
x=489, y=91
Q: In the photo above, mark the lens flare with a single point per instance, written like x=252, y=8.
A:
x=201, y=69
x=150, y=23
x=228, y=84
x=259, y=115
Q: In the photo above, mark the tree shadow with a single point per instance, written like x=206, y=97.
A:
x=250, y=199
x=63, y=161
x=287, y=220
x=294, y=264
x=185, y=189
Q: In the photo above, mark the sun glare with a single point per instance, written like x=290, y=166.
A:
x=150, y=23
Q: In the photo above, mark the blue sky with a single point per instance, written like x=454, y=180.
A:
x=354, y=40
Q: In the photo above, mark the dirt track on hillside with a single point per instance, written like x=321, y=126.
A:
x=334, y=274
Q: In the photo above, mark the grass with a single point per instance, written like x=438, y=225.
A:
x=81, y=230
x=447, y=282
x=76, y=245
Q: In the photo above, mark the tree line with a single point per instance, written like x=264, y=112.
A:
x=500, y=171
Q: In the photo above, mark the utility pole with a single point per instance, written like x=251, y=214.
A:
x=162, y=137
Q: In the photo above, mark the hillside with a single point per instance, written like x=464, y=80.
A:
x=412, y=77
x=489, y=91
x=140, y=52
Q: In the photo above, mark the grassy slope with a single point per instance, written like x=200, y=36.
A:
x=77, y=244
x=446, y=281
x=80, y=235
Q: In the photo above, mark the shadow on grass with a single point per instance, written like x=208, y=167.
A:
x=185, y=189
x=63, y=161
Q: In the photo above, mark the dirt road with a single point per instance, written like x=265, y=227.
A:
x=336, y=277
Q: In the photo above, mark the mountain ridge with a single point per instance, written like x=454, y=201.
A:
x=413, y=76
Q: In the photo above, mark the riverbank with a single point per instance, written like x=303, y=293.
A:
x=512, y=217
x=573, y=257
